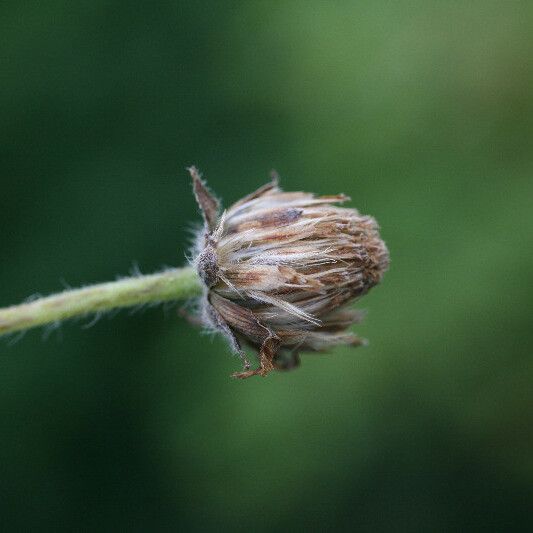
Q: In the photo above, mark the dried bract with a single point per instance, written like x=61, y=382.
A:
x=279, y=269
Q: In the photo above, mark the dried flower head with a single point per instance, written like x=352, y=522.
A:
x=279, y=269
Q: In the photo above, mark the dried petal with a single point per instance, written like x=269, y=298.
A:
x=280, y=269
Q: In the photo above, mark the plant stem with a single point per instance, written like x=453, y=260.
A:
x=173, y=284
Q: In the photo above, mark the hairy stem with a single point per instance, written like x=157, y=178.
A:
x=174, y=284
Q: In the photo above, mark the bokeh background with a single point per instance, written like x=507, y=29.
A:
x=421, y=111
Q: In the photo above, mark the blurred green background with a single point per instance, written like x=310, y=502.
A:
x=421, y=111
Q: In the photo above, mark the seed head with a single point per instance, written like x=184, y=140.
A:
x=279, y=269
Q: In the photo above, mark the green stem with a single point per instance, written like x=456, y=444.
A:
x=174, y=284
